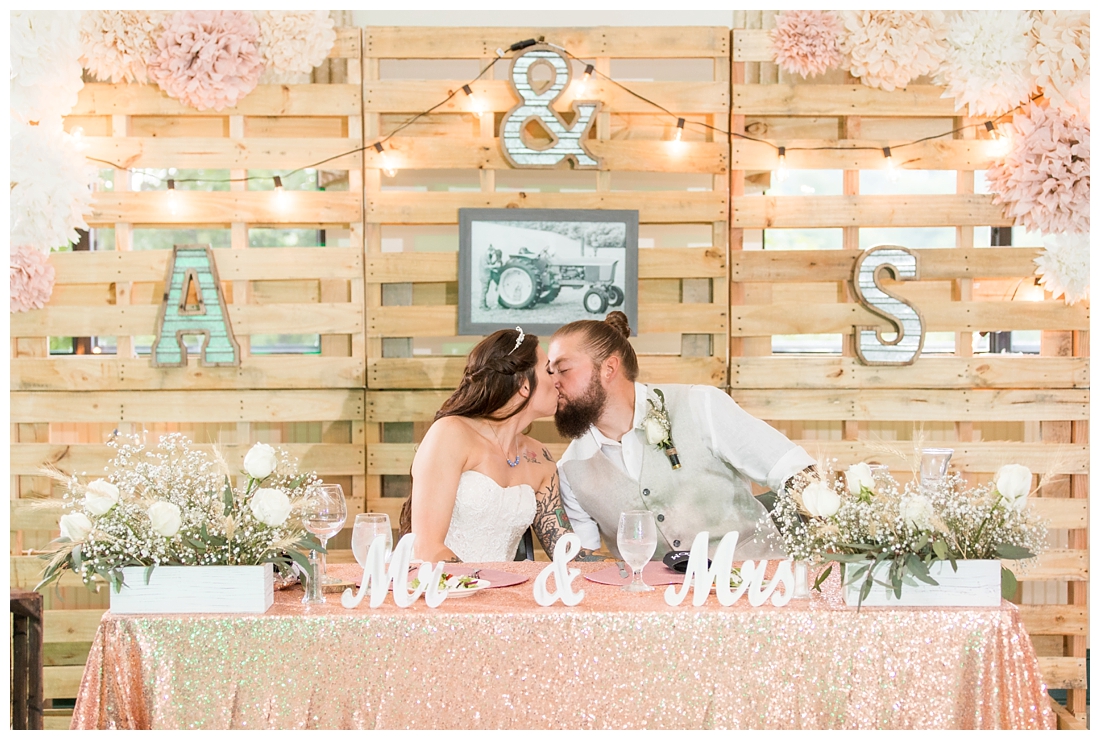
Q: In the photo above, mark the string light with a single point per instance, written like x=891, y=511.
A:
x=475, y=102
x=582, y=86
x=679, y=134
x=78, y=139
x=173, y=206
x=891, y=166
x=781, y=170
x=280, y=193
x=387, y=166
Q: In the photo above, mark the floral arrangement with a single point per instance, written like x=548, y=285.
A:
x=116, y=45
x=888, y=49
x=207, y=58
x=986, y=67
x=172, y=505
x=293, y=42
x=658, y=429
x=51, y=186
x=867, y=519
x=1044, y=180
x=1063, y=267
x=32, y=278
x=45, y=64
x=1059, y=56
x=805, y=42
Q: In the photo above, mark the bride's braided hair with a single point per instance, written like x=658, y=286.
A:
x=495, y=371
x=601, y=339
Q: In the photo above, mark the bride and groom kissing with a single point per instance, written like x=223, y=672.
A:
x=479, y=482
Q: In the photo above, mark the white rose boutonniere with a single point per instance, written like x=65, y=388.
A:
x=101, y=497
x=260, y=461
x=658, y=429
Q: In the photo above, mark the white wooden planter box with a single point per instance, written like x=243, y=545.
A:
x=196, y=589
x=976, y=583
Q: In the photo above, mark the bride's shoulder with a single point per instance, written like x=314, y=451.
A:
x=451, y=425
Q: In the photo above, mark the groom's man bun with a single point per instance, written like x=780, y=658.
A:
x=601, y=339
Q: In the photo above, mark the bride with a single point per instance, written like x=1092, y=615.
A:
x=478, y=481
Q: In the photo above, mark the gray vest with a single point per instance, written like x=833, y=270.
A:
x=705, y=494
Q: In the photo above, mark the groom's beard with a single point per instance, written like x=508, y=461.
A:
x=575, y=416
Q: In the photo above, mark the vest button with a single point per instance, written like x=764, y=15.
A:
x=660, y=517
x=645, y=491
x=676, y=543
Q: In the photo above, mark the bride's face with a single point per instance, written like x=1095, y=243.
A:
x=544, y=401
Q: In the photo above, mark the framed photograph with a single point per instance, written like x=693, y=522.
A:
x=542, y=268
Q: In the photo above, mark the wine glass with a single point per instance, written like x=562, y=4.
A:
x=366, y=529
x=637, y=540
x=324, y=514
x=933, y=464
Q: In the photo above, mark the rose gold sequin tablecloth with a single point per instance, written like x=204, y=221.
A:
x=496, y=660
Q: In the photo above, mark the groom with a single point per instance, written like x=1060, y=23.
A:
x=610, y=467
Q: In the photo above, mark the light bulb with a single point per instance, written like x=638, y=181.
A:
x=781, y=169
x=679, y=135
x=582, y=86
x=173, y=203
x=387, y=166
x=79, y=143
x=891, y=166
x=280, y=193
x=475, y=102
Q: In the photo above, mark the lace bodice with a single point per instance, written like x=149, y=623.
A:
x=488, y=519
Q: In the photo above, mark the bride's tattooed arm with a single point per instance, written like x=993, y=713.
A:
x=551, y=521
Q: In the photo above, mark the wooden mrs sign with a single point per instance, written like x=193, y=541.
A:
x=194, y=304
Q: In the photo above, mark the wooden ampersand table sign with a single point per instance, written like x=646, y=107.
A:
x=566, y=549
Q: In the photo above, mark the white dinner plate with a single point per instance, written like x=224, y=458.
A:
x=457, y=593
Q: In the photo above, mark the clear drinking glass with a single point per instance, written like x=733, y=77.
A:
x=933, y=464
x=366, y=529
x=324, y=514
x=637, y=540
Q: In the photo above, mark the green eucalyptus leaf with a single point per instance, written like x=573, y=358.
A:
x=1008, y=583
x=148, y=573
x=865, y=590
x=1012, y=552
x=301, y=560
x=821, y=578
x=227, y=497
x=940, y=549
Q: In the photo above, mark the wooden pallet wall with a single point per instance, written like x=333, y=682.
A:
x=962, y=290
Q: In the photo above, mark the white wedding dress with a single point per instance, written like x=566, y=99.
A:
x=488, y=519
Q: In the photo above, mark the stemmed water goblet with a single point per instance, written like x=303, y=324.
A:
x=323, y=514
x=637, y=540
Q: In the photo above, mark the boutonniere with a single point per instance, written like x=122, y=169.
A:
x=658, y=429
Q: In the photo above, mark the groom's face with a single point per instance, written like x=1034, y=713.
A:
x=581, y=395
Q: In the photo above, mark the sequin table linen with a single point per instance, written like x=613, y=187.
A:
x=496, y=660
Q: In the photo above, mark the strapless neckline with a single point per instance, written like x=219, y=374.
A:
x=490, y=479
x=488, y=519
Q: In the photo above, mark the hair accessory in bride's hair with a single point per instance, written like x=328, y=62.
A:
x=519, y=339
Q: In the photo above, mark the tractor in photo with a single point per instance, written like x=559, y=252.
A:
x=528, y=279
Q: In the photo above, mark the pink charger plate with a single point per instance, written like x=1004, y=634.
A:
x=654, y=574
x=496, y=578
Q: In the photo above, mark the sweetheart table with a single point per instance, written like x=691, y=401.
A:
x=496, y=660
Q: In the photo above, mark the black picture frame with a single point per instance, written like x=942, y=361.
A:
x=552, y=266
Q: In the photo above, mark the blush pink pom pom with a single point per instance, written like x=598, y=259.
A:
x=32, y=278
x=805, y=41
x=208, y=58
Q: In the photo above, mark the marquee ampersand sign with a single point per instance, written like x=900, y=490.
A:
x=871, y=348
x=566, y=141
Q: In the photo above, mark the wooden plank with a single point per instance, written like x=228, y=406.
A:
x=66, y=653
x=916, y=405
x=71, y=625
x=62, y=682
x=408, y=42
x=442, y=208
x=445, y=372
x=840, y=100
x=1055, y=619
x=1067, y=720
x=1053, y=565
x=1062, y=513
x=185, y=406
x=25, y=571
x=969, y=457
x=29, y=459
x=470, y=152
x=284, y=263
x=838, y=211
x=855, y=154
x=301, y=318
x=1063, y=673
x=436, y=267
x=57, y=719
x=207, y=153
x=986, y=371
x=104, y=99
x=106, y=373
x=348, y=44
x=437, y=321
x=813, y=265
x=498, y=96
x=201, y=207
x=752, y=45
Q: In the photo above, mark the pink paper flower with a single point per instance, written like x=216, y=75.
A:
x=117, y=44
x=888, y=49
x=805, y=41
x=208, y=58
x=32, y=278
x=1044, y=180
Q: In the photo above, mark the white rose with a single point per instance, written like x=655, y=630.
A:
x=165, y=518
x=916, y=511
x=101, y=497
x=820, y=499
x=1013, y=482
x=859, y=476
x=654, y=431
x=270, y=506
x=75, y=526
x=260, y=461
